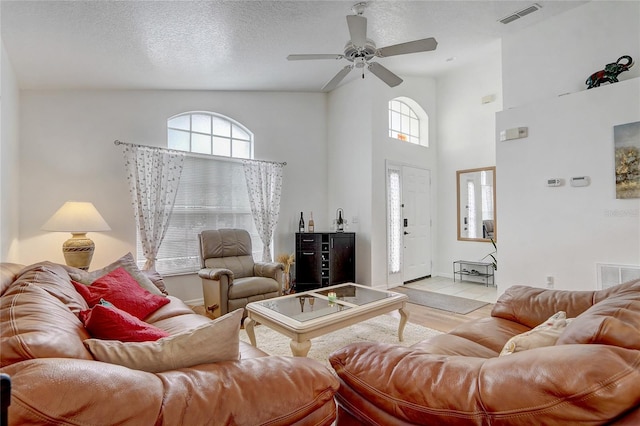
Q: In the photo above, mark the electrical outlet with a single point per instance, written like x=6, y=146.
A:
x=549, y=281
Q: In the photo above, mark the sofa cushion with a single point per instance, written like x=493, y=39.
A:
x=53, y=279
x=127, y=262
x=613, y=321
x=157, y=280
x=251, y=286
x=110, y=323
x=8, y=274
x=213, y=341
x=121, y=289
x=490, y=332
x=545, y=334
x=33, y=324
x=228, y=249
x=449, y=344
x=531, y=306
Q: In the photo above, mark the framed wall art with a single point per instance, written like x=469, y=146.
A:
x=626, y=139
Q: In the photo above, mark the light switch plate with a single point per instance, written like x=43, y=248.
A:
x=580, y=181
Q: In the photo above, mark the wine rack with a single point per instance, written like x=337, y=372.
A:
x=324, y=259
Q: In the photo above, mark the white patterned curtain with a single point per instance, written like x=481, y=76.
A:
x=394, y=220
x=264, y=184
x=153, y=175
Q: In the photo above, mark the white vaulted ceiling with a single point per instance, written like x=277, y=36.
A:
x=236, y=45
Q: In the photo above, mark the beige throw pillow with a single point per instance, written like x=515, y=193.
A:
x=214, y=341
x=545, y=334
x=128, y=263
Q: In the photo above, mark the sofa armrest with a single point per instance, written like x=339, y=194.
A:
x=532, y=306
x=215, y=273
x=215, y=289
x=272, y=270
x=539, y=386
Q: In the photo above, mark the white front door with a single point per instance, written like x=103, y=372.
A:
x=416, y=213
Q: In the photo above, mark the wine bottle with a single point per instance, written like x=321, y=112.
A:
x=340, y=222
x=301, y=224
x=311, y=224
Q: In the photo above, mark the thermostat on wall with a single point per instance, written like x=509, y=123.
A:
x=580, y=181
x=554, y=182
x=515, y=133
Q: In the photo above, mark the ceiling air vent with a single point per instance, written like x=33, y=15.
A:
x=519, y=14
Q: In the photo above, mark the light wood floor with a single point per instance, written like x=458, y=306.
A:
x=442, y=320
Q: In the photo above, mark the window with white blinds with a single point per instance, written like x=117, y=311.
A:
x=212, y=194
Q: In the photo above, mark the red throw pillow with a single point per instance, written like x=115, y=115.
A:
x=111, y=323
x=121, y=289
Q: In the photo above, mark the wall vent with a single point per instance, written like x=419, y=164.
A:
x=519, y=14
x=610, y=275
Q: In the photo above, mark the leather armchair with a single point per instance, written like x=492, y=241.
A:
x=230, y=277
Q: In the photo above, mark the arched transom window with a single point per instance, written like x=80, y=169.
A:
x=209, y=133
x=408, y=121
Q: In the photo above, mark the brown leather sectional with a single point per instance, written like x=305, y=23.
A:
x=590, y=376
x=55, y=380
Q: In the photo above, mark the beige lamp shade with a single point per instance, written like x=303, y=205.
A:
x=78, y=218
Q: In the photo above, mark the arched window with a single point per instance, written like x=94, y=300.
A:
x=209, y=133
x=408, y=121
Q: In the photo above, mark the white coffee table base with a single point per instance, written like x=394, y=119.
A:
x=301, y=336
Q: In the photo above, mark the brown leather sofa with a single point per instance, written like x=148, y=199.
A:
x=55, y=380
x=590, y=376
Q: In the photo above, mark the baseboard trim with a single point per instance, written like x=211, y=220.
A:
x=195, y=302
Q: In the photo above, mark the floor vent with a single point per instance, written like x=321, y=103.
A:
x=610, y=275
x=519, y=14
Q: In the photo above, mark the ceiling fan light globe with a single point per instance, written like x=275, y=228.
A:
x=359, y=8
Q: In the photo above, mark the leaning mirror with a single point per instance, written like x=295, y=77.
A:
x=476, y=189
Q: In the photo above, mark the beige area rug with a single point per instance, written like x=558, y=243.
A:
x=379, y=329
x=444, y=302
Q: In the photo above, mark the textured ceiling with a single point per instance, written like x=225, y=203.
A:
x=236, y=45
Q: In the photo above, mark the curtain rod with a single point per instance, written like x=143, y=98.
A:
x=199, y=155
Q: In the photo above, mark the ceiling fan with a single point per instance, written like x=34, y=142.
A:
x=360, y=51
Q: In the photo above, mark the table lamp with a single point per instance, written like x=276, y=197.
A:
x=77, y=218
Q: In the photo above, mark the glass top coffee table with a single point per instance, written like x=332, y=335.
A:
x=303, y=316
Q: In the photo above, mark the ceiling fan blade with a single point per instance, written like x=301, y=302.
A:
x=384, y=74
x=333, y=83
x=424, y=45
x=314, y=56
x=357, y=29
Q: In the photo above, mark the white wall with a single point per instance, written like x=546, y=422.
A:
x=67, y=153
x=466, y=140
x=9, y=165
x=564, y=231
x=349, y=133
x=358, y=148
x=557, y=55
